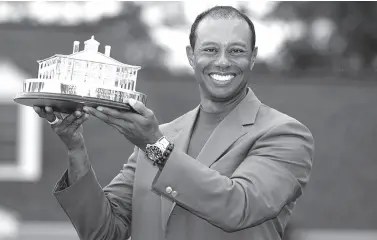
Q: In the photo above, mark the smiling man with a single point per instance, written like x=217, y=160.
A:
x=232, y=168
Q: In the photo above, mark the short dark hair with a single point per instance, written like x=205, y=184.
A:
x=221, y=12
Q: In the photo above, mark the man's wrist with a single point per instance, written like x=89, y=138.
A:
x=76, y=147
x=77, y=152
x=157, y=136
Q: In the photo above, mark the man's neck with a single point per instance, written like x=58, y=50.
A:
x=212, y=106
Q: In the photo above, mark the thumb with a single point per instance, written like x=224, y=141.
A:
x=139, y=107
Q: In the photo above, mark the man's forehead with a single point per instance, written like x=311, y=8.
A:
x=220, y=23
x=212, y=29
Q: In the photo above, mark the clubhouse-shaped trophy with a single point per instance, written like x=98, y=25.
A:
x=84, y=78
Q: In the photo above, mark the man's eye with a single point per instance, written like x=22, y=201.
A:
x=237, y=51
x=211, y=50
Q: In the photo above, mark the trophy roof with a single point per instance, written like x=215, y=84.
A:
x=91, y=54
x=92, y=57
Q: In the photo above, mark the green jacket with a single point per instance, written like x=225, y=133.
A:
x=243, y=185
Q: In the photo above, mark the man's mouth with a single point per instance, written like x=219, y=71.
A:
x=223, y=77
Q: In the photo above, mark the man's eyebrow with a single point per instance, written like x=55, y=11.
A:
x=208, y=43
x=241, y=44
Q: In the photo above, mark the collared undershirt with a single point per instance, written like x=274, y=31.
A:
x=205, y=124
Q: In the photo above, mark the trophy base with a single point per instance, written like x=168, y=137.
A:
x=67, y=103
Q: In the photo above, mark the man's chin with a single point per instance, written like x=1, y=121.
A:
x=221, y=95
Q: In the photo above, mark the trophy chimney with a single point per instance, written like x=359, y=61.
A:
x=107, y=50
x=76, y=46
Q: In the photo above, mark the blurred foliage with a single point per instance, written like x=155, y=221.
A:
x=351, y=45
x=26, y=39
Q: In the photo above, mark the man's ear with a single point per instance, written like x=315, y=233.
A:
x=253, y=57
x=190, y=55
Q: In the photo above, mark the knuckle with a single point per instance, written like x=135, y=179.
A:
x=147, y=123
x=109, y=119
x=149, y=114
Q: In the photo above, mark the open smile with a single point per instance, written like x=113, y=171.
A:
x=222, y=77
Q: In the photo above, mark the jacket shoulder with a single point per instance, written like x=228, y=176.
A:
x=271, y=118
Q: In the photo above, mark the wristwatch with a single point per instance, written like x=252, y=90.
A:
x=159, y=151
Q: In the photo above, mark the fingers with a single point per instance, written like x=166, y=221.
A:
x=70, y=118
x=107, y=117
x=39, y=111
x=118, y=128
x=71, y=123
x=50, y=116
x=59, y=115
x=68, y=122
x=112, y=112
x=45, y=112
x=126, y=116
x=77, y=123
x=140, y=108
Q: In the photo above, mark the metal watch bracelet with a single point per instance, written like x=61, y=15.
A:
x=160, y=162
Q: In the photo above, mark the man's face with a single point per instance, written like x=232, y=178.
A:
x=222, y=58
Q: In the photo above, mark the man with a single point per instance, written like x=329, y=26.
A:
x=232, y=168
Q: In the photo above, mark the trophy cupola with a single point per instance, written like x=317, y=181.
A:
x=91, y=45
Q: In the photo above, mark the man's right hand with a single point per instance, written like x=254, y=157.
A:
x=68, y=127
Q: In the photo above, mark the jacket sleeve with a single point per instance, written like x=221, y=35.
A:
x=273, y=174
x=98, y=213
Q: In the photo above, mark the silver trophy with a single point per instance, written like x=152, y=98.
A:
x=83, y=78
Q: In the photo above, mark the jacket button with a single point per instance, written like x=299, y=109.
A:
x=169, y=190
x=174, y=193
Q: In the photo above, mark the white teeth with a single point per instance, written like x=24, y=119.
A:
x=221, y=77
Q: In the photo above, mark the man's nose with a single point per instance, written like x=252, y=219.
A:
x=222, y=61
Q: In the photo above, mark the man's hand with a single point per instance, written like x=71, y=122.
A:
x=140, y=128
x=68, y=127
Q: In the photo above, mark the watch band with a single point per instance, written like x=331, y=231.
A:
x=159, y=152
x=160, y=162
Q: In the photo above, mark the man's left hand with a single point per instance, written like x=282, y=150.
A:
x=140, y=128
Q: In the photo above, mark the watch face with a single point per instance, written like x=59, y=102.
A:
x=153, y=152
